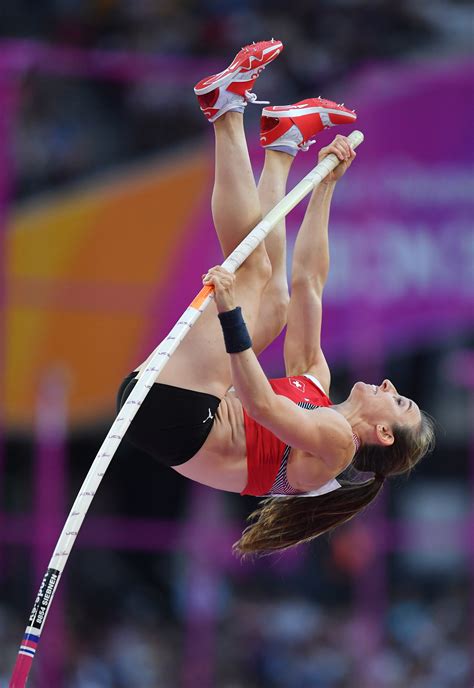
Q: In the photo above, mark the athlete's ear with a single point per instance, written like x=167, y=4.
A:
x=384, y=435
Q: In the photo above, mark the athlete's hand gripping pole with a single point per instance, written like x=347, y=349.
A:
x=156, y=364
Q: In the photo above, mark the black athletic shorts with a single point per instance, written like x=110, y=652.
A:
x=172, y=423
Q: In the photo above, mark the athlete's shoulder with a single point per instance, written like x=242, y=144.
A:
x=336, y=444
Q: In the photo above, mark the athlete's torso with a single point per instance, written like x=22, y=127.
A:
x=222, y=462
x=274, y=467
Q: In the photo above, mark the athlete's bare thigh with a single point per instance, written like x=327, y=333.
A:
x=201, y=362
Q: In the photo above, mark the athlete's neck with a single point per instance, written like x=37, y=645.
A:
x=354, y=417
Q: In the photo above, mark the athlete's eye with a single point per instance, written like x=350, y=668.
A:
x=399, y=401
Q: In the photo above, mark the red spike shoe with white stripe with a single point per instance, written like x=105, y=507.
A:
x=292, y=126
x=231, y=89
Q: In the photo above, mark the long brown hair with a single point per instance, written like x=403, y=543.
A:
x=281, y=522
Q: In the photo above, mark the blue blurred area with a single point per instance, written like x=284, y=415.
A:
x=385, y=603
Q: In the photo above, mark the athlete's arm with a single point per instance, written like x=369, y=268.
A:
x=303, y=353
x=324, y=433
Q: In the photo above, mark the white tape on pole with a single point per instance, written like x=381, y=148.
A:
x=148, y=376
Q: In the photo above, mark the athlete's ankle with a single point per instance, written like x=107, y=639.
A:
x=275, y=157
x=229, y=119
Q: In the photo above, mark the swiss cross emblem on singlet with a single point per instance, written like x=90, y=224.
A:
x=300, y=386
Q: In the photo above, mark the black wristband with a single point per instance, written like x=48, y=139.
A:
x=234, y=329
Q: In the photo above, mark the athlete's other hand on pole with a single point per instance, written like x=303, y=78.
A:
x=341, y=147
x=224, y=287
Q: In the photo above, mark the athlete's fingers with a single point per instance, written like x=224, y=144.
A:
x=324, y=152
x=219, y=270
x=219, y=278
x=346, y=149
x=343, y=146
x=339, y=150
x=210, y=276
x=212, y=271
x=339, y=146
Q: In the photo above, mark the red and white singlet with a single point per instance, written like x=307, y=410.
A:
x=267, y=456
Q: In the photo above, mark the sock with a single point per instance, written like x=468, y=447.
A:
x=283, y=149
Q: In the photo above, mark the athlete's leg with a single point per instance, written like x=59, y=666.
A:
x=284, y=131
x=235, y=202
x=274, y=305
x=200, y=362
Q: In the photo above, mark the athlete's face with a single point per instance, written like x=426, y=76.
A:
x=382, y=404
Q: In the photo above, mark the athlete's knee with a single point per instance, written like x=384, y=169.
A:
x=265, y=266
x=278, y=298
x=282, y=309
x=259, y=266
x=302, y=282
x=314, y=275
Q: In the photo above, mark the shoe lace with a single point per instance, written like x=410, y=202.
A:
x=306, y=146
x=252, y=98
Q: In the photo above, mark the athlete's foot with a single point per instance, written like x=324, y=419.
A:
x=289, y=128
x=231, y=89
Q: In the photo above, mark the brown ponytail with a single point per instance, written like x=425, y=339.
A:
x=282, y=522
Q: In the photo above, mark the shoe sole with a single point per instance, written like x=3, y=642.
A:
x=227, y=75
x=295, y=111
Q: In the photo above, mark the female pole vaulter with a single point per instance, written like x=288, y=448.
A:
x=281, y=439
